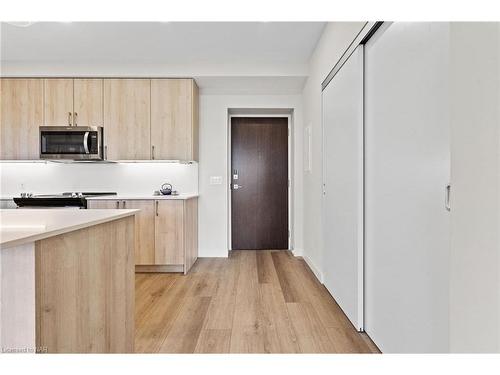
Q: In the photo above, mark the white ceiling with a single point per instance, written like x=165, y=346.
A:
x=173, y=42
x=268, y=56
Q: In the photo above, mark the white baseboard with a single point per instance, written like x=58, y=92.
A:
x=297, y=252
x=314, y=268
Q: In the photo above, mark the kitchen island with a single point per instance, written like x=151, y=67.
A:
x=67, y=280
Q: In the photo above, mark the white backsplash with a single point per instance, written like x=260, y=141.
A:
x=124, y=178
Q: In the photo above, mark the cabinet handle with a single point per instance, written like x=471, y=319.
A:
x=69, y=118
x=76, y=119
x=117, y=204
x=156, y=208
x=123, y=204
x=153, y=152
x=447, y=199
x=106, y=152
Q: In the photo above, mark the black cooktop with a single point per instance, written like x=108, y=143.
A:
x=73, y=199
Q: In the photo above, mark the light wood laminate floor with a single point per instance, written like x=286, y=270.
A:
x=251, y=302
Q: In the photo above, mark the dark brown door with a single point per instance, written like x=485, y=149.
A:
x=259, y=189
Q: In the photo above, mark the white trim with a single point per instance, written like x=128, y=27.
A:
x=314, y=269
x=368, y=29
x=297, y=252
x=263, y=112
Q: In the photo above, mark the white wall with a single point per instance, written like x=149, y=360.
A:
x=335, y=39
x=475, y=187
x=213, y=201
x=124, y=178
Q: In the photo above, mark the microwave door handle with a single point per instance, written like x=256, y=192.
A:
x=85, y=142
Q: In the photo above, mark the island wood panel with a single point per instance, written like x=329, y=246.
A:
x=85, y=290
x=21, y=113
x=127, y=119
x=173, y=126
x=58, y=102
x=88, y=102
x=169, y=232
x=190, y=233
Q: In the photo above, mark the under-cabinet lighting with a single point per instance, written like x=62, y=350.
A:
x=24, y=161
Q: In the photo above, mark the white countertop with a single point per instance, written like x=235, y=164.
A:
x=140, y=197
x=125, y=196
x=18, y=227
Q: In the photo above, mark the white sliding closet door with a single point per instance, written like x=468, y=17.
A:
x=342, y=104
x=407, y=166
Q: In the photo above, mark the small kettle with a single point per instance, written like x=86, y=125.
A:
x=166, y=189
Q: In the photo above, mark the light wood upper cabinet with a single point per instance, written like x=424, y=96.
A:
x=58, y=102
x=21, y=113
x=174, y=119
x=127, y=119
x=88, y=101
x=73, y=102
x=169, y=232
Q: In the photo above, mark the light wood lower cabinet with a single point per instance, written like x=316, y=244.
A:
x=166, y=232
x=169, y=232
x=144, y=230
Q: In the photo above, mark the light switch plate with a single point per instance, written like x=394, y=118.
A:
x=215, y=180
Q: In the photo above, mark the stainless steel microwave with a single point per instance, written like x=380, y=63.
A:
x=71, y=142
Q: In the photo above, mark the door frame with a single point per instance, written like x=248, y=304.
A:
x=261, y=113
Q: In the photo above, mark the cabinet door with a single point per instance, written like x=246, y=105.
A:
x=103, y=204
x=88, y=102
x=169, y=232
x=127, y=119
x=144, y=230
x=58, y=102
x=173, y=126
x=21, y=103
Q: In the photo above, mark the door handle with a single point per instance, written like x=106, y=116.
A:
x=86, y=142
x=75, y=116
x=447, y=199
x=69, y=118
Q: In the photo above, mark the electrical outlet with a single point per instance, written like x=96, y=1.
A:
x=215, y=180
